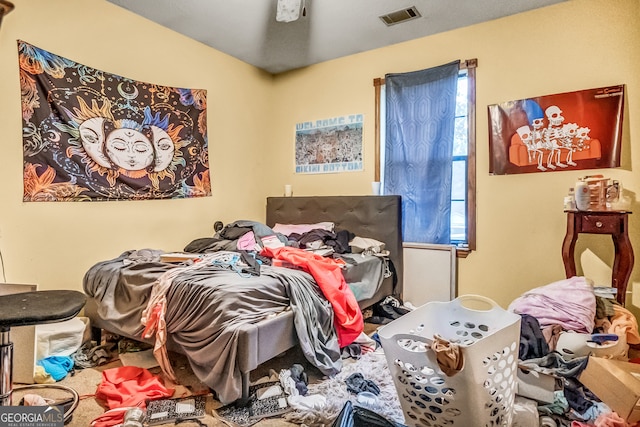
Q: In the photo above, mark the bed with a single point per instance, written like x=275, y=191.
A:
x=269, y=305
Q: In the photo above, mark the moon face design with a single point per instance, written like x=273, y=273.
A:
x=92, y=136
x=164, y=147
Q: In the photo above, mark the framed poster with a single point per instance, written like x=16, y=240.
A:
x=566, y=131
x=329, y=145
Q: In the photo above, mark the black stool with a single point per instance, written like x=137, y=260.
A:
x=32, y=308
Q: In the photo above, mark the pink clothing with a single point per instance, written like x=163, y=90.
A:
x=247, y=242
x=569, y=302
x=609, y=419
x=154, y=320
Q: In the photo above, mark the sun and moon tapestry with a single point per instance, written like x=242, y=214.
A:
x=89, y=135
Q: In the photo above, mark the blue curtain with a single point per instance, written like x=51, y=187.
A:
x=420, y=117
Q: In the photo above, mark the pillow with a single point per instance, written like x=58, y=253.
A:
x=288, y=229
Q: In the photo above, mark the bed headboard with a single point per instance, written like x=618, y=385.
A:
x=377, y=217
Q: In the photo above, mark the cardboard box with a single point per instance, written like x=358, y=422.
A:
x=616, y=383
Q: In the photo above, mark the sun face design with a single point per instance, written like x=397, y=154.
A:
x=129, y=149
x=147, y=146
x=92, y=136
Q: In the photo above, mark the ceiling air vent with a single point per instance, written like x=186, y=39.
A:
x=400, y=16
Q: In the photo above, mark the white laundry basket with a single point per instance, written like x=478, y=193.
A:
x=482, y=393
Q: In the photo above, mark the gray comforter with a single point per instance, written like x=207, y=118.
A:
x=206, y=307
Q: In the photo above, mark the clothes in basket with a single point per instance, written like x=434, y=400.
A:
x=482, y=391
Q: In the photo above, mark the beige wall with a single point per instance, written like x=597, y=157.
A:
x=575, y=45
x=53, y=244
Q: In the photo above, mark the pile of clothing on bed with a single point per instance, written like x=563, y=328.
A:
x=203, y=303
x=316, y=248
x=246, y=235
x=563, y=324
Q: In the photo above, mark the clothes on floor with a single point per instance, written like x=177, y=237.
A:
x=388, y=310
x=554, y=364
x=562, y=307
x=307, y=403
x=356, y=383
x=40, y=376
x=552, y=335
x=111, y=418
x=550, y=305
x=130, y=386
x=90, y=355
x=532, y=341
x=362, y=345
x=300, y=378
x=57, y=366
x=31, y=399
x=288, y=383
x=605, y=420
x=623, y=322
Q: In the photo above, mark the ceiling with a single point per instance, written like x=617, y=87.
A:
x=248, y=30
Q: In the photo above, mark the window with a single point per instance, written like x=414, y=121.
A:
x=462, y=212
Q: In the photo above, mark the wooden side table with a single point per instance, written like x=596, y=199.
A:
x=614, y=223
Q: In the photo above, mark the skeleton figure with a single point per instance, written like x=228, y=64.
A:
x=538, y=131
x=535, y=117
x=550, y=139
x=553, y=136
x=582, y=135
x=569, y=131
x=532, y=149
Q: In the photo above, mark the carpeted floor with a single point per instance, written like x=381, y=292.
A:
x=86, y=381
x=372, y=367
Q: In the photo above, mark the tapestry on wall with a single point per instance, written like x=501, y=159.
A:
x=329, y=145
x=91, y=135
x=566, y=131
